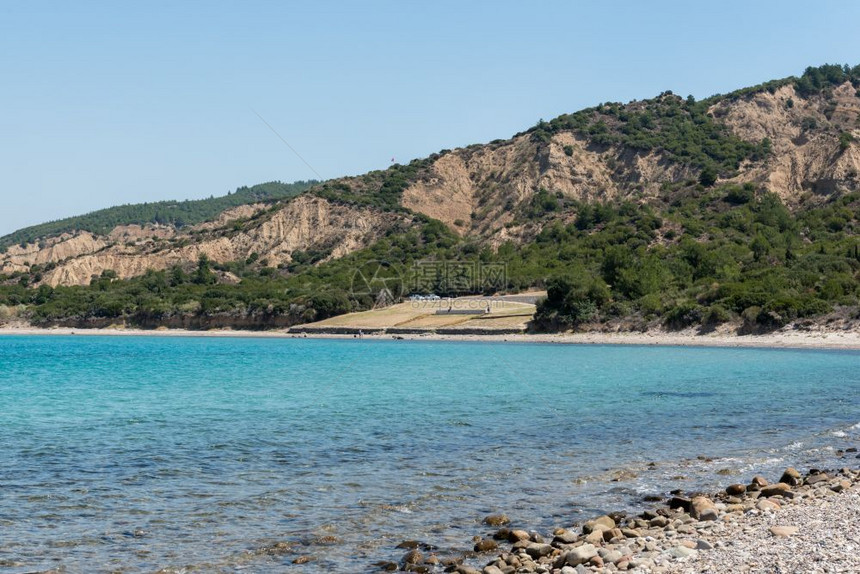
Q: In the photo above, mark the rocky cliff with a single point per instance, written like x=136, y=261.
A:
x=307, y=223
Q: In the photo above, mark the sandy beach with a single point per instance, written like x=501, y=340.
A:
x=788, y=339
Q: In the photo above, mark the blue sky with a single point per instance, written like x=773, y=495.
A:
x=103, y=104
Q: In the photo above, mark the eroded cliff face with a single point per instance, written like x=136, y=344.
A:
x=53, y=250
x=476, y=191
x=305, y=223
x=806, y=157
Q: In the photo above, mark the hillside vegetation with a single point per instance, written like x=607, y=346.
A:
x=176, y=213
x=741, y=209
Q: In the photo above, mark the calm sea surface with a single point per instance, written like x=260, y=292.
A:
x=135, y=454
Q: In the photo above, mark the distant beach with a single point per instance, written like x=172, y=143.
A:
x=795, y=339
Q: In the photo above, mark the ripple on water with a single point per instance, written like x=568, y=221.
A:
x=203, y=453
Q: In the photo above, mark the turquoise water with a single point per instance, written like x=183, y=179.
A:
x=136, y=453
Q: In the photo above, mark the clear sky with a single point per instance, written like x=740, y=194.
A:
x=102, y=103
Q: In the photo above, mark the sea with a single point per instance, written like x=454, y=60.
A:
x=213, y=454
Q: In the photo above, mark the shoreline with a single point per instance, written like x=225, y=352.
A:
x=821, y=340
x=802, y=522
x=765, y=522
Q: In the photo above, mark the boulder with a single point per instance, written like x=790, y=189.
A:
x=564, y=536
x=790, y=476
x=599, y=523
x=778, y=489
x=658, y=522
x=736, y=489
x=757, y=483
x=681, y=502
x=580, y=555
x=517, y=535
x=538, y=550
x=702, y=508
x=520, y=545
x=612, y=534
x=767, y=505
x=840, y=485
x=816, y=478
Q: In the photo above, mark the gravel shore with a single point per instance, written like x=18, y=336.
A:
x=827, y=539
x=802, y=523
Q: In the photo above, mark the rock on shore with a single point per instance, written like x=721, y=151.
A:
x=803, y=523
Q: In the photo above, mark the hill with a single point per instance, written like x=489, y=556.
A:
x=741, y=209
x=176, y=214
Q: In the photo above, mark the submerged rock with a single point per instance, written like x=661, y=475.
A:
x=496, y=520
x=412, y=557
x=485, y=545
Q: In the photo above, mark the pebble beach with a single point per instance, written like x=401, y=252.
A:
x=799, y=523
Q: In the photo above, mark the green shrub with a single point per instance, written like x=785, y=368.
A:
x=650, y=305
x=716, y=315
x=740, y=195
x=571, y=301
x=683, y=315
